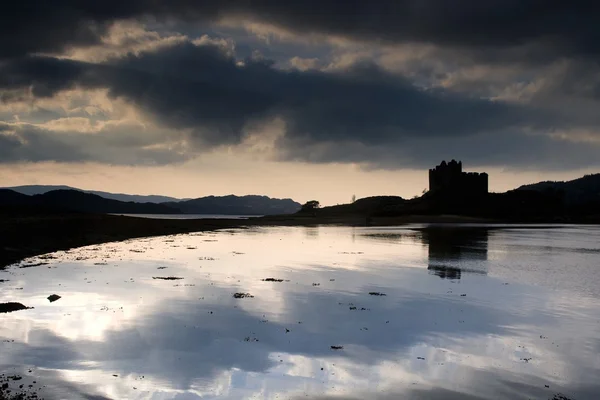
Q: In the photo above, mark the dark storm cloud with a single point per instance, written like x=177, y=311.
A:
x=202, y=89
x=359, y=114
x=500, y=149
x=560, y=28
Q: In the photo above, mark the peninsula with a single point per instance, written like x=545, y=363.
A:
x=28, y=229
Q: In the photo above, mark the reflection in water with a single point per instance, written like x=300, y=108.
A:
x=445, y=272
x=311, y=232
x=117, y=333
x=450, y=247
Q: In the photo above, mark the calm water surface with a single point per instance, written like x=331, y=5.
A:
x=468, y=313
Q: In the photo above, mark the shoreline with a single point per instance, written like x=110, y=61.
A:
x=24, y=235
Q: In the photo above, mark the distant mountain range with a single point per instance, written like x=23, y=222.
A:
x=234, y=205
x=32, y=190
x=74, y=200
x=86, y=201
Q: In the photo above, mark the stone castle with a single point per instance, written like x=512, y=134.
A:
x=449, y=178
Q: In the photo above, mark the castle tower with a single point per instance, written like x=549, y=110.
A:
x=450, y=179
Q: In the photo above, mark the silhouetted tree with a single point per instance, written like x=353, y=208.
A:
x=353, y=198
x=310, y=205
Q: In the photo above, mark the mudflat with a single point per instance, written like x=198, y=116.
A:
x=24, y=233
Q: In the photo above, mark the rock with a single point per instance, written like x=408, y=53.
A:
x=242, y=295
x=377, y=294
x=167, y=278
x=560, y=396
x=272, y=280
x=33, y=265
x=52, y=298
x=10, y=307
x=337, y=347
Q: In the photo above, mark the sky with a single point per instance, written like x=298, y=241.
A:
x=303, y=99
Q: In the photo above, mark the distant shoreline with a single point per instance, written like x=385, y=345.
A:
x=25, y=235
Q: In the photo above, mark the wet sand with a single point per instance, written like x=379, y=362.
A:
x=25, y=234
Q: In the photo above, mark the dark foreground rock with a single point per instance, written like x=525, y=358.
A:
x=167, y=278
x=53, y=297
x=242, y=295
x=10, y=307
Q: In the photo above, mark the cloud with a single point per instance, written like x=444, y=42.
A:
x=75, y=140
x=206, y=91
x=304, y=64
x=555, y=28
x=409, y=81
x=496, y=149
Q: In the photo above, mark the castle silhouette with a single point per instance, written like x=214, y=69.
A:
x=449, y=178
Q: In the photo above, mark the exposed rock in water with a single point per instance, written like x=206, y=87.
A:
x=337, y=347
x=242, y=295
x=10, y=307
x=272, y=280
x=52, y=298
x=377, y=294
x=167, y=278
x=33, y=265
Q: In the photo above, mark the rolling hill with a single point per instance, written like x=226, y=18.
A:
x=583, y=190
x=74, y=200
x=236, y=205
x=79, y=201
x=32, y=190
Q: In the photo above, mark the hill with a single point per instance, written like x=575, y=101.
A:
x=74, y=200
x=236, y=205
x=32, y=190
x=361, y=207
x=523, y=205
x=579, y=191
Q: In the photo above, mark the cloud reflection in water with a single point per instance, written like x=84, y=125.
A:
x=192, y=339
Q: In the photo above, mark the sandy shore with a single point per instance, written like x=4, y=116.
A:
x=26, y=234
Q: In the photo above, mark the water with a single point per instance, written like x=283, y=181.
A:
x=190, y=216
x=468, y=313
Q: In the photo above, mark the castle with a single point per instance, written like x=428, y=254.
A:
x=449, y=178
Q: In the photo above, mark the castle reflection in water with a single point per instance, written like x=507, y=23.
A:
x=453, y=250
